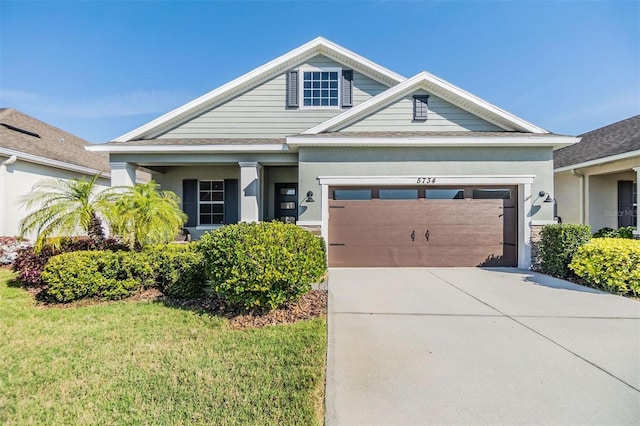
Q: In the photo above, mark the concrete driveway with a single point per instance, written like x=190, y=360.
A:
x=478, y=346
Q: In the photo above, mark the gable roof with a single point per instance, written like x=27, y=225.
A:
x=36, y=141
x=615, y=139
x=317, y=46
x=438, y=87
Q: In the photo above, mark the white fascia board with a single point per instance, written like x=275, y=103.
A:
x=315, y=46
x=159, y=149
x=440, y=180
x=443, y=89
x=444, y=141
x=599, y=161
x=53, y=163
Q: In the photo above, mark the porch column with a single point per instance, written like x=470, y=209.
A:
x=123, y=174
x=250, y=191
x=637, y=231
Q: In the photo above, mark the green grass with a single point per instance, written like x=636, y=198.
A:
x=145, y=363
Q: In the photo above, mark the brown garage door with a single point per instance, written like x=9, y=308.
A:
x=434, y=226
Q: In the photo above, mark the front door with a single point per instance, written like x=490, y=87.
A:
x=286, y=199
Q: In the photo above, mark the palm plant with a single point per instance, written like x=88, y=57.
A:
x=64, y=207
x=143, y=215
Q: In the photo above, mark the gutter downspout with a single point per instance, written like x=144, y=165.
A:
x=636, y=233
x=583, y=197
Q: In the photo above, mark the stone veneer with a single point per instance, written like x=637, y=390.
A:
x=535, y=245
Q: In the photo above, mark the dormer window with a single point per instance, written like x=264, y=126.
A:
x=420, y=107
x=320, y=88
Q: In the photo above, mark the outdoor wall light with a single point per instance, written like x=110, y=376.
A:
x=310, y=197
x=546, y=200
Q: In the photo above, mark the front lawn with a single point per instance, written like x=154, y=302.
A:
x=145, y=363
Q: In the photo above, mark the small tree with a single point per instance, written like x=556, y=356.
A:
x=142, y=215
x=65, y=207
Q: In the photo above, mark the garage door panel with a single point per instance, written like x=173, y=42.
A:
x=363, y=236
x=446, y=232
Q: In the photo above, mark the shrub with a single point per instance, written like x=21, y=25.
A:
x=9, y=247
x=623, y=232
x=178, y=269
x=262, y=265
x=558, y=244
x=30, y=263
x=612, y=264
x=96, y=274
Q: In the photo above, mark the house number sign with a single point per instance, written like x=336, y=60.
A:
x=426, y=180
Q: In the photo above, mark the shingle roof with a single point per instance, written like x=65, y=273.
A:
x=614, y=139
x=23, y=133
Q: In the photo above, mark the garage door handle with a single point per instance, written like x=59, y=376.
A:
x=413, y=235
x=426, y=235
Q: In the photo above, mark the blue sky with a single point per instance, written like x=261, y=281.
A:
x=101, y=69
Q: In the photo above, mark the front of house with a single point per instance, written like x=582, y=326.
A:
x=390, y=171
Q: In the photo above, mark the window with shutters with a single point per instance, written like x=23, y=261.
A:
x=211, y=202
x=420, y=107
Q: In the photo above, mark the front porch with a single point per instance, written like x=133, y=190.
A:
x=217, y=193
x=602, y=196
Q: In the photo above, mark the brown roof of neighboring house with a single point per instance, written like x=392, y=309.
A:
x=614, y=139
x=23, y=133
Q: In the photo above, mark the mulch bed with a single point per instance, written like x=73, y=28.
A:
x=310, y=305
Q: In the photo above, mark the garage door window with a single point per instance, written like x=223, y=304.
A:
x=492, y=194
x=398, y=194
x=445, y=194
x=352, y=194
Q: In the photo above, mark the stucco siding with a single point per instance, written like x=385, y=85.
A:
x=442, y=116
x=262, y=111
x=568, y=195
x=16, y=180
x=431, y=162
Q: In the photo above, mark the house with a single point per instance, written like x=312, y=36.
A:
x=596, y=180
x=391, y=171
x=30, y=151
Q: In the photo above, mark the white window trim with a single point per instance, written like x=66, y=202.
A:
x=308, y=68
x=200, y=203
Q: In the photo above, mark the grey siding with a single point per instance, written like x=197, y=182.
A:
x=462, y=161
x=442, y=116
x=263, y=111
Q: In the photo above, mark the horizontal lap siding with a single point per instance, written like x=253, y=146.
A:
x=442, y=116
x=262, y=111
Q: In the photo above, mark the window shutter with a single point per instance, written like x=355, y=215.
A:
x=625, y=203
x=347, y=88
x=292, y=88
x=190, y=201
x=420, y=107
x=230, y=201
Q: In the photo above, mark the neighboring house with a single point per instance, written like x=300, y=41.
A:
x=596, y=180
x=390, y=171
x=31, y=151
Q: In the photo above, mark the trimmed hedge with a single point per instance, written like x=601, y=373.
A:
x=262, y=265
x=558, y=244
x=96, y=274
x=30, y=263
x=612, y=264
x=178, y=269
